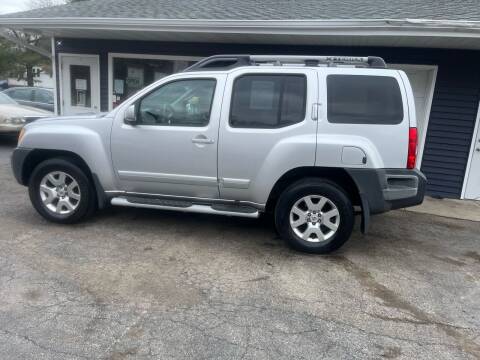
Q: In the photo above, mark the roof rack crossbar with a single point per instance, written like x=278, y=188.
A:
x=226, y=62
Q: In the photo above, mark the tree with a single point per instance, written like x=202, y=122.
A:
x=19, y=61
x=37, y=4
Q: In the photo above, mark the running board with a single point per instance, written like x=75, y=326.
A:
x=230, y=210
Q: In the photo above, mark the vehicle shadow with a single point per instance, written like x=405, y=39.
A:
x=8, y=141
x=258, y=234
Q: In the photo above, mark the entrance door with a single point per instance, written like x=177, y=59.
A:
x=472, y=190
x=80, y=84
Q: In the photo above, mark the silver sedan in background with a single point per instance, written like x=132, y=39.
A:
x=14, y=116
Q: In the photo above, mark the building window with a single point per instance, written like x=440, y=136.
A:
x=133, y=74
x=80, y=92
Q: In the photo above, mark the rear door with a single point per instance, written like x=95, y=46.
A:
x=266, y=129
x=367, y=112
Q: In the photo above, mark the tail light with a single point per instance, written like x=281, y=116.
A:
x=412, y=148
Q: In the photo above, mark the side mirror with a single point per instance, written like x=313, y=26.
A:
x=130, y=116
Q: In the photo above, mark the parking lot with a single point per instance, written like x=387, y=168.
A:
x=134, y=284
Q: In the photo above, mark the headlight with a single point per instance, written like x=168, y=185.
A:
x=15, y=120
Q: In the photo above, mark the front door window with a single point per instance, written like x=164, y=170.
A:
x=80, y=86
x=179, y=103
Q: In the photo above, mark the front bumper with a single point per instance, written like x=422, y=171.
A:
x=10, y=128
x=19, y=156
x=388, y=189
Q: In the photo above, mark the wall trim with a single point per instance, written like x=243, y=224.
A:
x=54, y=76
x=470, y=156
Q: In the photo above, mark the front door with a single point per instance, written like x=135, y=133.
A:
x=472, y=190
x=80, y=84
x=172, y=147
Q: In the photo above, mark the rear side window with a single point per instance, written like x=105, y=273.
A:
x=21, y=94
x=268, y=101
x=362, y=99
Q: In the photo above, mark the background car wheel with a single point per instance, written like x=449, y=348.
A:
x=314, y=215
x=61, y=192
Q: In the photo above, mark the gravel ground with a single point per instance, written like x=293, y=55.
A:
x=135, y=284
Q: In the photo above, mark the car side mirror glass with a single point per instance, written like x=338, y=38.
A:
x=130, y=116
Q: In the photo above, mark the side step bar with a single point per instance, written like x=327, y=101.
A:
x=230, y=210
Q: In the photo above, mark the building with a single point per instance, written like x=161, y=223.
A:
x=103, y=51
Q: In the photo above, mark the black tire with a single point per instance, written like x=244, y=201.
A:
x=315, y=187
x=87, y=202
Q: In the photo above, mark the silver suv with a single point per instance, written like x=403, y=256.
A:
x=311, y=140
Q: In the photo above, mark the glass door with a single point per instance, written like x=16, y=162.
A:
x=80, y=84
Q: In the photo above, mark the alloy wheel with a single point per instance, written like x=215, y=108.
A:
x=314, y=218
x=60, y=192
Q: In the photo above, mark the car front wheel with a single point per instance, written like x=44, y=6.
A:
x=61, y=192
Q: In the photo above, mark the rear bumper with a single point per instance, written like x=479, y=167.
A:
x=19, y=156
x=389, y=189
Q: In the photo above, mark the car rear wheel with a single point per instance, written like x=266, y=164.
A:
x=314, y=215
x=61, y=192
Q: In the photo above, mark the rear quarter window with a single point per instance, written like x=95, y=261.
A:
x=364, y=99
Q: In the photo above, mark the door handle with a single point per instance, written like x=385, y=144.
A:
x=315, y=111
x=202, y=140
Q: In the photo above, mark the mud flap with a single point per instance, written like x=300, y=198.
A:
x=365, y=214
x=101, y=198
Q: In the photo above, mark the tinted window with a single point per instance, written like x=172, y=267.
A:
x=268, y=101
x=179, y=103
x=21, y=94
x=360, y=99
x=6, y=100
x=43, y=96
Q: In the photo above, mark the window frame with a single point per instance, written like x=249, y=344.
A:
x=138, y=102
x=280, y=126
x=400, y=93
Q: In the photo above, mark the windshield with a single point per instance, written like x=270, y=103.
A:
x=7, y=100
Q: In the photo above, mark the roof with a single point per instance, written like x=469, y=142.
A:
x=463, y=10
x=399, y=23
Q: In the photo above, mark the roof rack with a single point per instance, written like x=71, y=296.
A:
x=226, y=62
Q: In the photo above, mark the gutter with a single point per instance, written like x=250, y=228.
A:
x=347, y=27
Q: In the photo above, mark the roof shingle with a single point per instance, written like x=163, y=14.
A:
x=468, y=10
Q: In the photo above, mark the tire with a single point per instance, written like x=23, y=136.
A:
x=77, y=190
x=313, y=225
